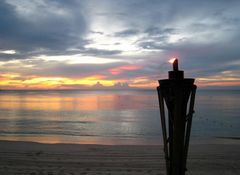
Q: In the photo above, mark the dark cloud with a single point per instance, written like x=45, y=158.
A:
x=41, y=68
x=154, y=45
x=97, y=32
x=126, y=33
x=100, y=52
x=157, y=31
x=47, y=30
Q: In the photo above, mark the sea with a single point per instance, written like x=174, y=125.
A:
x=110, y=117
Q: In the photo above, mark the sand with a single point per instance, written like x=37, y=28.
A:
x=60, y=159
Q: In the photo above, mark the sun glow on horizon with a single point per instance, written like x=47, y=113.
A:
x=14, y=81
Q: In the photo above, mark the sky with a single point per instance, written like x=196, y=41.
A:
x=81, y=44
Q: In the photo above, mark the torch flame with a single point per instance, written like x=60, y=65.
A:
x=172, y=60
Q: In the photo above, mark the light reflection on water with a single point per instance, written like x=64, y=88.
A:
x=74, y=100
x=107, y=117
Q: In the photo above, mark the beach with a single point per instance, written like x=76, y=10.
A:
x=72, y=159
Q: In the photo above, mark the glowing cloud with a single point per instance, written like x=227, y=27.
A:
x=78, y=59
x=118, y=70
x=8, y=52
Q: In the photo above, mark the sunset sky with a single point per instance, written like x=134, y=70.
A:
x=77, y=44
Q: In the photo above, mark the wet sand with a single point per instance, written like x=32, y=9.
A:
x=60, y=159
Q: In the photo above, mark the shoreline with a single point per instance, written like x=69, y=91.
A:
x=124, y=141
x=17, y=157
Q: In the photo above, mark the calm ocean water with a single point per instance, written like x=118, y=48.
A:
x=109, y=117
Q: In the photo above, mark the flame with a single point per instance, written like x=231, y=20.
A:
x=172, y=60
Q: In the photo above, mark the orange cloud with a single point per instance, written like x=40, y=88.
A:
x=143, y=82
x=226, y=79
x=120, y=69
x=217, y=83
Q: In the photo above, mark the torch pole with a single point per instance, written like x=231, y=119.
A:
x=177, y=92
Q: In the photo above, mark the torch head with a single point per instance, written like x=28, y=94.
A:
x=175, y=78
x=175, y=74
x=174, y=62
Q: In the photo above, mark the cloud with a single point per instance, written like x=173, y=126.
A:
x=156, y=31
x=120, y=69
x=43, y=68
x=42, y=29
x=126, y=33
x=144, y=34
x=116, y=86
x=99, y=52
